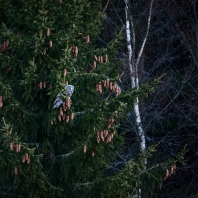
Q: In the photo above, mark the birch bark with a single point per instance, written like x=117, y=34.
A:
x=133, y=67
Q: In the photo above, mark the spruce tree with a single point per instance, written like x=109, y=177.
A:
x=56, y=140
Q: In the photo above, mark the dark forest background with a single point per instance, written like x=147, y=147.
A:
x=170, y=115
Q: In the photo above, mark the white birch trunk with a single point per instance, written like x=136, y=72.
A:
x=134, y=79
x=133, y=66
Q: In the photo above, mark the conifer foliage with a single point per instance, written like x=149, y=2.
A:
x=55, y=141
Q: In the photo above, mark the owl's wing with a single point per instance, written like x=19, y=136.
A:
x=58, y=102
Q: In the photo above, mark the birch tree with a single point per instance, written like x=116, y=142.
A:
x=133, y=64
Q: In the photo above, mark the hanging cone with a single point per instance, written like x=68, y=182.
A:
x=105, y=133
x=59, y=117
x=101, y=59
x=64, y=106
x=67, y=119
x=97, y=87
x=72, y=116
x=15, y=170
x=7, y=43
x=94, y=64
x=101, y=135
x=68, y=103
x=73, y=48
x=64, y=72
x=48, y=32
x=26, y=156
x=107, y=140
x=11, y=146
x=111, y=120
x=114, y=87
x=36, y=44
x=61, y=111
x=116, y=114
x=105, y=58
x=95, y=57
x=28, y=161
x=110, y=86
x=50, y=86
x=40, y=85
x=98, y=134
x=98, y=140
x=171, y=171
x=87, y=39
x=100, y=87
x=51, y=122
x=44, y=52
x=50, y=43
x=23, y=158
x=92, y=153
x=167, y=173
x=44, y=84
x=85, y=149
x=105, y=83
x=60, y=1
x=117, y=90
x=76, y=51
x=17, y=148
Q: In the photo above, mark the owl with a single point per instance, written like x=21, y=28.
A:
x=69, y=89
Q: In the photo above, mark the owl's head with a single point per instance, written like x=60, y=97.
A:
x=69, y=88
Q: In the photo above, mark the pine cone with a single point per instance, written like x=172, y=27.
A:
x=28, y=161
x=64, y=72
x=23, y=158
x=44, y=84
x=61, y=111
x=94, y=64
x=95, y=57
x=15, y=170
x=11, y=146
x=40, y=85
x=105, y=83
x=85, y=149
x=17, y=148
x=44, y=52
x=50, y=43
x=105, y=58
x=67, y=119
x=87, y=39
x=110, y=86
x=48, y=32
x=72, y=116
x=59, y=117
x=26, y=156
